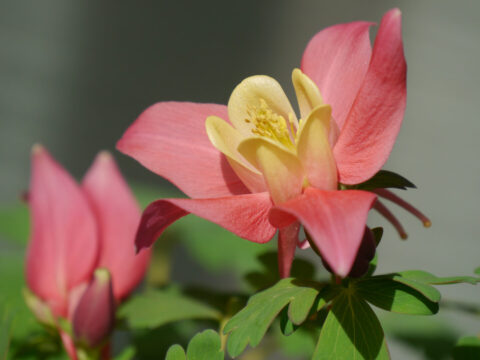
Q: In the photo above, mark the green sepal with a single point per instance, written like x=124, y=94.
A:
x=385, y=179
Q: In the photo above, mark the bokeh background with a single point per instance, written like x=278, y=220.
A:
x=75, y=74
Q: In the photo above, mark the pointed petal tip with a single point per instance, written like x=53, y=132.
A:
x=102, y=275
x=342, y=271
x=104, y=155
x=37, y=149
x=296, y=72
x=395, y=12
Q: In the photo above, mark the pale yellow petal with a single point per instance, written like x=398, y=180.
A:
x=308, y=95
x=282, y=171
x=249, y=94
x=314, y=151
x=226, y=139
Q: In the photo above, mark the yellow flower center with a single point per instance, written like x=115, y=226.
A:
x=270, y=125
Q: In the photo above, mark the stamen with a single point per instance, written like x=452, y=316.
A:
x=402, y=203
x=387, y=214
x=269, y=124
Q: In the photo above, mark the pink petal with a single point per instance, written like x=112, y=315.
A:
x=373, y=123
x=334, y=219
x=336, y=59
x=244, y=215
x=170, y=139
x=118, y=217
x=287, y=243
x=63, y=244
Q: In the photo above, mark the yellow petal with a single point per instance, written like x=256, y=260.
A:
x=226, y=139
x=308, y=95
x=314, y=151
x=282, y=171
x=249, y=95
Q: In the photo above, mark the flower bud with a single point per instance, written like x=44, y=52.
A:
x=94, y=316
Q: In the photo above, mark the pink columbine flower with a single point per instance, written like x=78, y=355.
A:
x=254, y=167
x=76, y=230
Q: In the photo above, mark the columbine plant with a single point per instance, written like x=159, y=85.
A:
x=253, y=167
x=81, y=261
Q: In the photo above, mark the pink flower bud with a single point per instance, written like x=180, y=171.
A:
x=94, y=316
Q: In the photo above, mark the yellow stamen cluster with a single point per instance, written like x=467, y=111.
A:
x=269, y=124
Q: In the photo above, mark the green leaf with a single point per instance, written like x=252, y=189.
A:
x=176, y=352
x=386, y=179
x=426, y=290
x=251, y=323
x=156, y=308
x=205, y=346
x=286, y=325
x=301, y=343
x=467, y=348
x=6, y=320
x=351, y=331
x=127, y=354
x=477, y=270
x=427, y=278
x=391, y=295
x=13, y=282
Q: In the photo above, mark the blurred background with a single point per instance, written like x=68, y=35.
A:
x=75, y=74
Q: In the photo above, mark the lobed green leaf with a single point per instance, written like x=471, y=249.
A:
x=428, y=278
x=176, y=352
x=252, y=322
x=351, y=331
x=391, y=295
x=205, y=346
